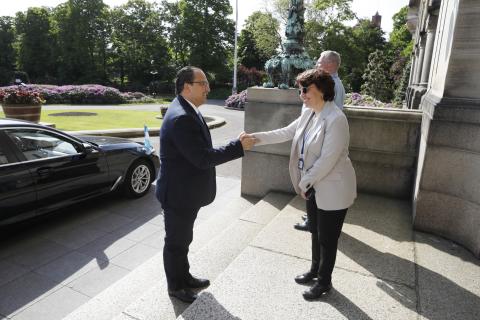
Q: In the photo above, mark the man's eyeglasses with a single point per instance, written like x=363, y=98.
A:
x=202, y=83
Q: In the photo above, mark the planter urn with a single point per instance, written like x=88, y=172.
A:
x=23, y=111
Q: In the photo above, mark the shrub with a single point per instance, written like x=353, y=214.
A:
x=376, y=76
x=357, y=99
x=237, y=101
x=248, y=77
x=81, y=94
x=137, y=97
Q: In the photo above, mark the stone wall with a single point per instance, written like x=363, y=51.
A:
x=383, y=149
x=383, y=145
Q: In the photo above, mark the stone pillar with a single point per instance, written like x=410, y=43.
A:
x=265, y=168
x=447, y=186
x=418, y=89
x=421, y=55
x=412, y=25
x=432, y=27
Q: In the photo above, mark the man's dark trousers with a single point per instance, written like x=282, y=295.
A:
x=186, y=182
x=179, y=234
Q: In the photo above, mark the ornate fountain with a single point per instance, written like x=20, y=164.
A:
x=284, y=67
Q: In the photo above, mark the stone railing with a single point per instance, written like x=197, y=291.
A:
x=383, y=145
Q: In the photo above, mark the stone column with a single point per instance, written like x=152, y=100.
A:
x=432, y=27
x=419, y=90
x=412, y=25
x=421, y=55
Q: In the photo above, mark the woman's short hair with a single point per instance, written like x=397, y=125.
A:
x=184, y=75
x=321, y=79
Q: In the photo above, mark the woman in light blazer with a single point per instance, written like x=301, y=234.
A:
x=320, y=170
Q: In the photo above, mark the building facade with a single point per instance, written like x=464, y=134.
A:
x=445, y=85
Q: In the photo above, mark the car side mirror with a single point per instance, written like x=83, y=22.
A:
x=87, y=148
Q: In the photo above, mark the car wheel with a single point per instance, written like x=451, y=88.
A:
x=138, y=179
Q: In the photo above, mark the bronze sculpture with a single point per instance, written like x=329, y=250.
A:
x=282, y=68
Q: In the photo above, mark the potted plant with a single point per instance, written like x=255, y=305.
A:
x=163, y=110
x=21, y=103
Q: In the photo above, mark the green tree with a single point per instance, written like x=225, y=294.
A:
x=399, y=51
x=208, y=33
x=248, y=53
x=264, y=28
x=278, y=9
x=400, y=38
x=329, y=11
x=377, y=83
x=36, y=44
x=259, y=40
x=7, y=52
x=402, y=85
x=82, y=29
x=170, y=13
x=139, y=49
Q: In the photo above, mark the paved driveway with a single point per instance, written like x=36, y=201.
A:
x=50, y=267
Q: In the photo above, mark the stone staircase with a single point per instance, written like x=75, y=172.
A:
x=142, y=294
x=259, y=283
x=384, y=270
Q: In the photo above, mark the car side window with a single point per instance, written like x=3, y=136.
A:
x=3, y=156
x=37, y=144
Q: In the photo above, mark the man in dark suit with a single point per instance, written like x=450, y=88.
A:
x=187, y=179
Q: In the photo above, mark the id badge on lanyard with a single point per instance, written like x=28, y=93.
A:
x=301, y=162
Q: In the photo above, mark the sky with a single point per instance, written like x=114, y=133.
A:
x=363, y=8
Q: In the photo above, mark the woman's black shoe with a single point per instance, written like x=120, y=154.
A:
x=305, y=278
x=316, y=291
x=302, y=226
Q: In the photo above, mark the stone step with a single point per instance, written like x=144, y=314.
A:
x=110, y=302
x=374, y=277
x=210, y=261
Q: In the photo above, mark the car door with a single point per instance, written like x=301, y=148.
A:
x=64, y=170
x=17, y=188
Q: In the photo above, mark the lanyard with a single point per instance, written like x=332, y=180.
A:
x=305, y=135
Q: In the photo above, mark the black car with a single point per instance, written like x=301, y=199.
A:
x=43, y=169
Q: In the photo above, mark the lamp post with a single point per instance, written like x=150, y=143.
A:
x=234, y=89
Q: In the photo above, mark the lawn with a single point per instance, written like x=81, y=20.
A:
x=105, y=119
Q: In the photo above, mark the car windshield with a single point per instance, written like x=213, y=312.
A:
x=35, y=144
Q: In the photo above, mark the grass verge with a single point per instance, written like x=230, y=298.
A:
x=105, y=119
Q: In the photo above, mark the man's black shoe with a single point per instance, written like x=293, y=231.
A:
x=303, y=226
x=316, y=291
x=305, y=278
x=184, y=295
x=197, y=283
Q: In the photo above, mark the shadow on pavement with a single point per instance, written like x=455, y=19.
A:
x=40, y=256
x=437, y=296
x=215, y=310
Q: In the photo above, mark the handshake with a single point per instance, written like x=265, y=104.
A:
x=247, y=140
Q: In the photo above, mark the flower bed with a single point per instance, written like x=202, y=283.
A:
x=81, y=94
x=237, y=101
x=357, y=99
